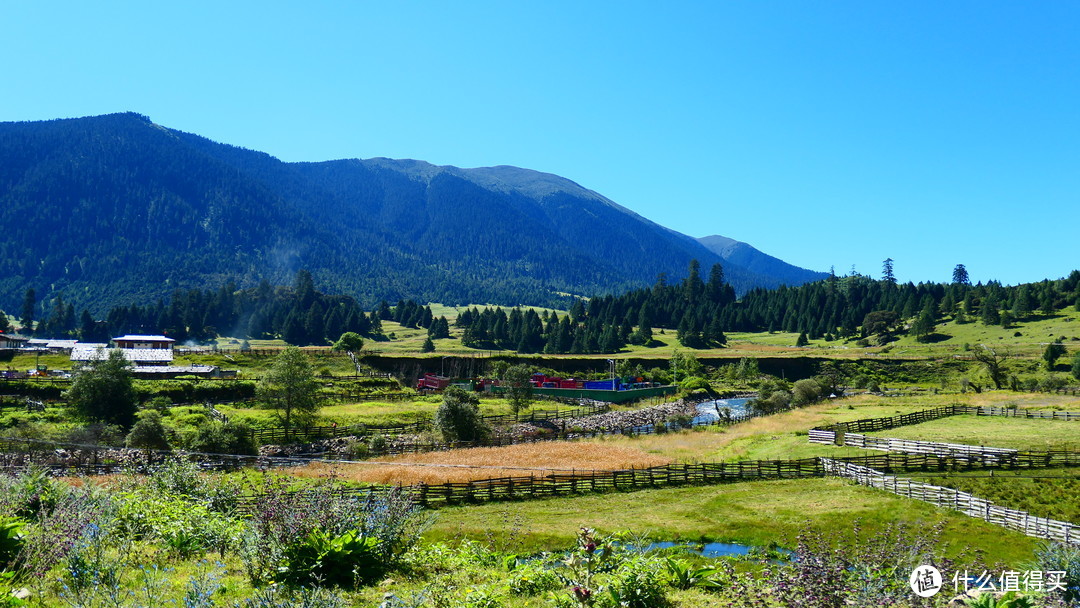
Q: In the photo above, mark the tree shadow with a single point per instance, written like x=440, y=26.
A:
x=933, y=338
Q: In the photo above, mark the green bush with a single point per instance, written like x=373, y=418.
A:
x=805, y=392
x=184, y=526
x=378, y=444
x=638, y=583
x=148, y=433
x=214, y=437
x=533, y=579
x=458, y=417
x=341, y=560
x=11, y=539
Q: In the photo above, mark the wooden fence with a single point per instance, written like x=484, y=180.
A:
x=581, y=482
x=841, y=433
x=890, y=444
x=1038, y=527
x=867, y=425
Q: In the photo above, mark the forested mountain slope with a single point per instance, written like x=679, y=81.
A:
x=115, y=210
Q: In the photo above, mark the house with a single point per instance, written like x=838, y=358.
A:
x=10, y=341
x=146, y=350
x=53, y=346
x=142, y=351
x=144, y=342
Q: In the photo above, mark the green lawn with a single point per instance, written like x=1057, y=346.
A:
x=1016, y=433
x=755, y=513
x=385, y=412
x=1053, y=493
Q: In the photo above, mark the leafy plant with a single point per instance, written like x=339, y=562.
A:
x=533, y=578
x=638, y=584
x=12, y=531
x=684, y=575
x=1008, y=600
x=335, y=560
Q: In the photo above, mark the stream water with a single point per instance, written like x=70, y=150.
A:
x=707, y=412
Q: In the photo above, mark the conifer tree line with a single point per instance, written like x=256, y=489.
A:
x=299, y=314
x=699, y=310
x=859, y=306
x=605, y=324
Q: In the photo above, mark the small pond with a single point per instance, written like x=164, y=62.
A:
x=704, y=549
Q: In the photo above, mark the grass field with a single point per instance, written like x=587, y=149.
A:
x=1053, y=493
x=754, y=513
x=1016, y=433
x=386, y=412
x=1034, y=334
x=537, y=459
x=784, y=435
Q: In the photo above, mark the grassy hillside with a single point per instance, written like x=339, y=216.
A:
x=1026, y=339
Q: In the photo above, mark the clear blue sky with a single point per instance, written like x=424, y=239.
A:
x=825, y=133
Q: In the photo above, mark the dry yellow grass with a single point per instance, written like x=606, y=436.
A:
x=511, y=461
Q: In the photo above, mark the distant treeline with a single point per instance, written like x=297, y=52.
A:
x=698, y=310
x=298, y=314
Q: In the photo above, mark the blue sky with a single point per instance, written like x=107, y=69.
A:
x=827, y=134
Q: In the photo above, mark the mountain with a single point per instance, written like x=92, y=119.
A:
x=115, y=209
x=740, y=254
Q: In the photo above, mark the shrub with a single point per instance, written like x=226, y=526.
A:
x=1060, y=557
x=185, y=527
x=357, y=449
x=365, y=535
x=148, y=433
x=182, y=478
x=12, y=531
x=97, y=434
x=776, y=401
x=458, y=417
x=533, y=579
x=681, y=421
x=214, y=437
x=378, y=444
x=805, y=392
x=335, y=560
x=1051, y=384
x=58, y=529
x=638, y=583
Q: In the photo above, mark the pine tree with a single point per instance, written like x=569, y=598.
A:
x=29, y=302
x=924, y=325
x=960, y=275
x=887, y=271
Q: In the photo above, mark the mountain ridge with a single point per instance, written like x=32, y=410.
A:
x=116, y=209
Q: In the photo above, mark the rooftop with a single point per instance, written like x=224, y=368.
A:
x=93, y=352
x=141, y=338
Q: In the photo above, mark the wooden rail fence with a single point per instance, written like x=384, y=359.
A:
x=868, y=425
x=1031, y=525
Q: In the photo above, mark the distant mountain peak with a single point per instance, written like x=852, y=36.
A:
x=746, y=256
